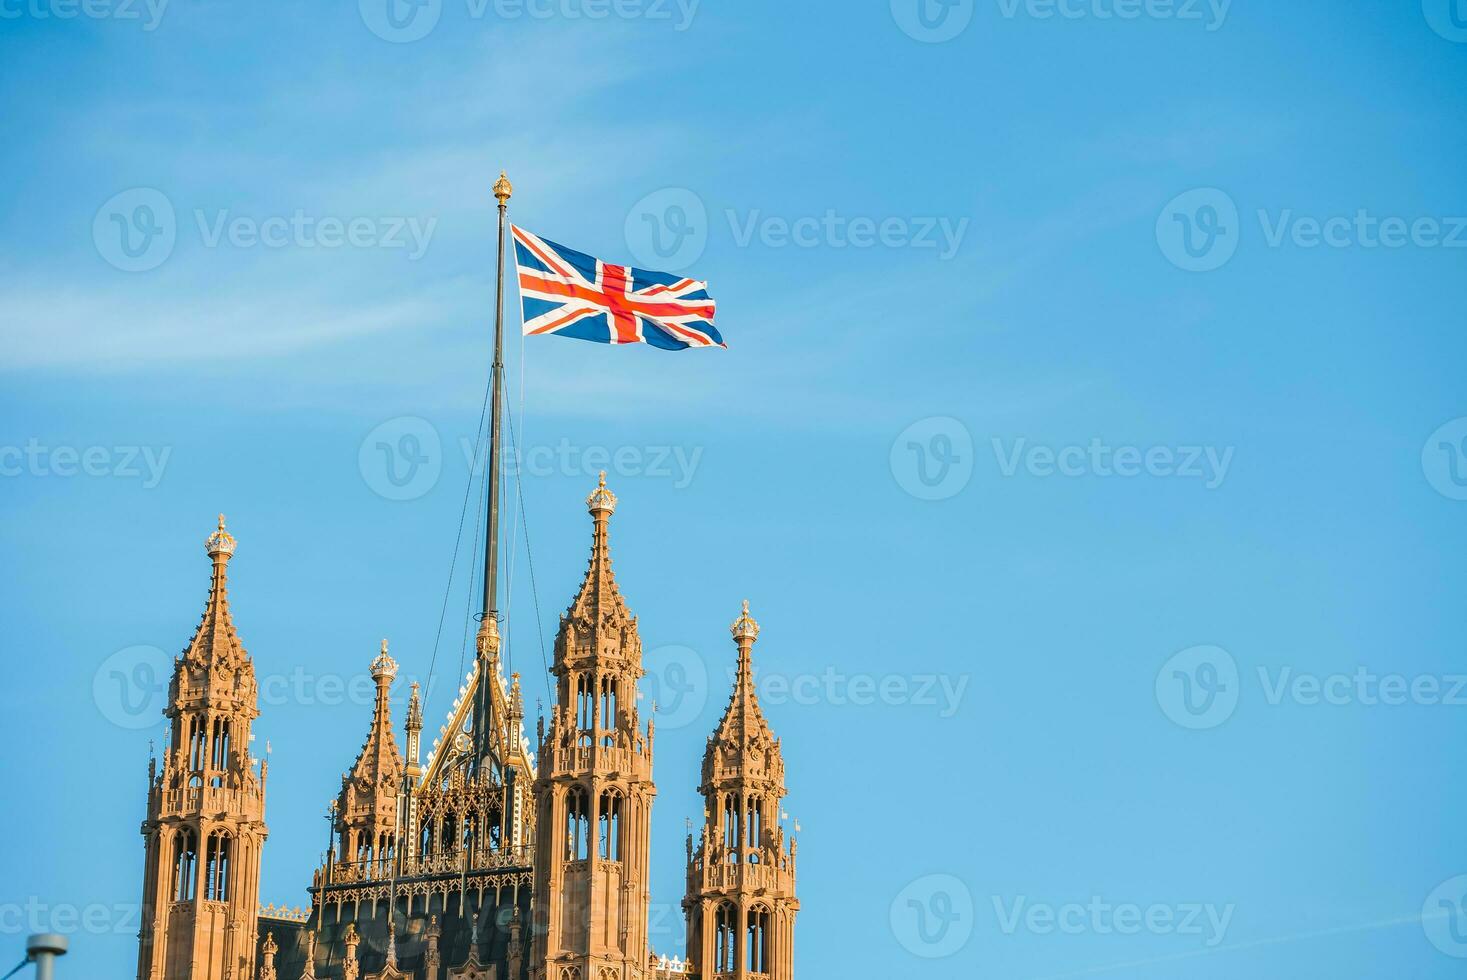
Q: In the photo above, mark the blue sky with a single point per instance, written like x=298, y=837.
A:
x=968, y=285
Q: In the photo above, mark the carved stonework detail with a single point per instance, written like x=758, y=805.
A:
x=740, y=902
x=367, y=806
x=539, y=851
x=205, y=822
x=594, y=789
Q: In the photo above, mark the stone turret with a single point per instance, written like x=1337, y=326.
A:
x=740, y=901
x=205, y=824
x=367, y=806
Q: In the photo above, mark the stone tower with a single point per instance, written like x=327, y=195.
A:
x=367, y=807
x=740, y=902
x=206, y=807
x=593, y=790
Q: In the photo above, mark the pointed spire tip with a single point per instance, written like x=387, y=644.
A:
x=384, y=665
x=745, y=627
x=220, y=544
x=601, y=501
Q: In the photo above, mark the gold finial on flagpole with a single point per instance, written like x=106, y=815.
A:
x=503, y=188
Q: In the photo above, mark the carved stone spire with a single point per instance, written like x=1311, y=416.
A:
x=414, y=728
x=351, y=967
x=215, y=644
x=267, y=957
x=594, y=764
x=431, y=959
x=599, y=601
x=743, y=726
x=740, y=900
x=205, y=822
x=369, y=793
x=308, y=970
x=379, y=756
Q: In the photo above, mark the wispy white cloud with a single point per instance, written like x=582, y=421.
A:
x=123, y=328
x=231, y=304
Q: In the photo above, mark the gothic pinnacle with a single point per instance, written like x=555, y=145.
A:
x=601, y=501
x=744, y=628
x=384, y=665
x=220, y=544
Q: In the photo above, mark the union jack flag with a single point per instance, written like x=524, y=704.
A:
x=575, y=295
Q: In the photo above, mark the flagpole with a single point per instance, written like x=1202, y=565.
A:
x=488, y=638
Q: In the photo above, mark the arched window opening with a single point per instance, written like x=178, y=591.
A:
x=730, y=822
x=447, y=839
x=608, y=710
x=494, y=830
x=756, y=940
x=752, y=823
x=585, y=704
x=219, y=754
x=726, y=939
x=185, y=865
x=609, y=827
x=577, y=826
x=198, y=744
x=216, y=876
